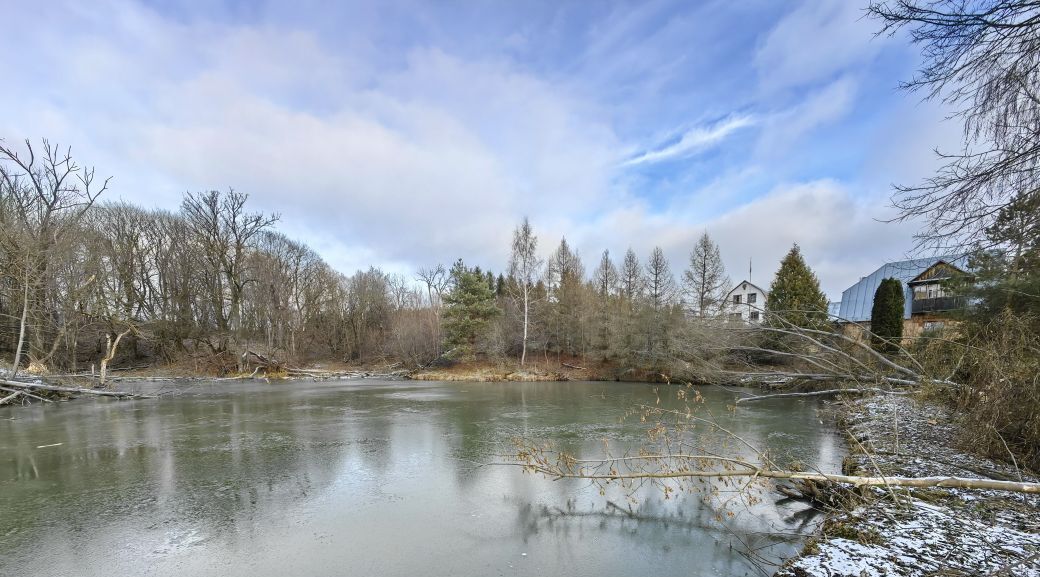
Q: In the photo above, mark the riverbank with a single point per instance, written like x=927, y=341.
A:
x=573, y=370
x=921, y=532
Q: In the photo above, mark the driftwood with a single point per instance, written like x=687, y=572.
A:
x=573, y=367
x=755, y=472
x=72, y=390
x=829, y=392
x=15, y=392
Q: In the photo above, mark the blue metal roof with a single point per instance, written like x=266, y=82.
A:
x=858, y=299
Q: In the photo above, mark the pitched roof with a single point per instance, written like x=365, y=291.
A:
x=858, y=299
x=746, y=282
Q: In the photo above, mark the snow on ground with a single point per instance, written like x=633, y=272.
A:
x=926, y=532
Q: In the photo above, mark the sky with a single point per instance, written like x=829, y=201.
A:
x=404, y=134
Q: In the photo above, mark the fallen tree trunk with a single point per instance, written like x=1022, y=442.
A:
x=24, y=393
x=74, y=390
x=829, y=392
x=854, y=480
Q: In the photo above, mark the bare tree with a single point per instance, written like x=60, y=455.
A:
x=631, y=277
x=524, y=269
x=705, y=279
x=981, y=57
x=44, y=199
x=225, y=232
x=661, y=293
x=605, y=281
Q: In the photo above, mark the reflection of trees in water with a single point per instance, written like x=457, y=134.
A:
x=220, y=464
x=743, y=539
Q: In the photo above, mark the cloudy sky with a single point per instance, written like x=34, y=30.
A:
x=404, y=134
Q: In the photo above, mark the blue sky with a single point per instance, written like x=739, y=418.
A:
x=403, y=134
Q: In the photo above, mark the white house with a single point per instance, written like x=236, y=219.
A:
x=745, y=302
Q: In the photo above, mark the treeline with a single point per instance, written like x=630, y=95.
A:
x=203, y=283
x=86, y=281
x=635, y=313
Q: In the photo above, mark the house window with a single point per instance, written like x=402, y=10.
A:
x=735, y=316
x=754, y=314
x=752, y=298
x=736, y=299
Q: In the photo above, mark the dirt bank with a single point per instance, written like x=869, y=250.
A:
x=567, y=370
x=928, y=532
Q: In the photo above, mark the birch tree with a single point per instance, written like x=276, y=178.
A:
x=524, y=268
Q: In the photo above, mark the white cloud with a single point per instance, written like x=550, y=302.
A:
x=840, y=234
x=694, y=140
x=428, y=156
x=815, y=41
x=829, y=104
x=428, y=161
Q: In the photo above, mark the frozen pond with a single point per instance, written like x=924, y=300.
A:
x=367, y=478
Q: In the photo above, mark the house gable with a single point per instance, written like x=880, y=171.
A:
x=939, y=271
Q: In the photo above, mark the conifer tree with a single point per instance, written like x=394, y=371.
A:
x=795, y=295
x=886, y=316
x=469, y=308
x=705, y=281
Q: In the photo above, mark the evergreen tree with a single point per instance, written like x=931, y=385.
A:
x=795, y=295
x=566, y=285
x=886, y=316
x=469, y=308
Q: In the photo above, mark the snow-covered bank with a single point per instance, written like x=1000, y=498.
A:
x=929, y=532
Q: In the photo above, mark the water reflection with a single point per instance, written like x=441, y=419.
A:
x=365, y=478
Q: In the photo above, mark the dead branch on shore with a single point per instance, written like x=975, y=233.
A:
x=561, y=471
x=22, y=387
x=17, y=392
x=786, y=357
x=826, y=393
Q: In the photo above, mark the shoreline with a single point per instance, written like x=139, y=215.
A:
x=920, y=532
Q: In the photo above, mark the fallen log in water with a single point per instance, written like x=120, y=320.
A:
x=23, y=386
x=16, y=392
x=828, y=392
x=755, y=472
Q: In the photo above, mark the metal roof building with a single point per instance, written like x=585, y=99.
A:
x=858, y=299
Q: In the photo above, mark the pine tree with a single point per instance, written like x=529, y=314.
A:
x=469, y=308
x=795, y=296
x=886, y=316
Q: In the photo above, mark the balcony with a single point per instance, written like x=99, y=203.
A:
x=937, y=305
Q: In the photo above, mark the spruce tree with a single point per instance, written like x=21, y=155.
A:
x=886, y=316
x=469, y=308
x=795, y=296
